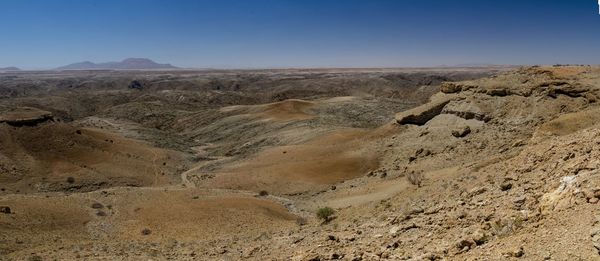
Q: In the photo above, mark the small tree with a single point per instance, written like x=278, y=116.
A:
x=325, y=213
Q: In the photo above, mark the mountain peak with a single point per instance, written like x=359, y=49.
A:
x=135, y=60
x=10, y=69
x=127, y=64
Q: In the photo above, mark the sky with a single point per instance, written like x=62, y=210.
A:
x=43, y=34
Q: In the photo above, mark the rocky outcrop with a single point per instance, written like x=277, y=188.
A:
x=422, y=114
x=571, y=90
x=454, y=87
x=467, y=110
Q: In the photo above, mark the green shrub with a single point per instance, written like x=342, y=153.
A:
x=325, y=213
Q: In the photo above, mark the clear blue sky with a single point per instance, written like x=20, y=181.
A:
x=300, y=33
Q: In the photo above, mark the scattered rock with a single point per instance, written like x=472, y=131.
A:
x=519, y=201
x=5, y=209
x=477, y=191
x=465, y=244
x=313, y=257
x=297, y=240
x=394, y=230
x=461, y=132
x=517, y=252
x=415, y=211
x=596, y=238
x=505, y=186
x=480, y=237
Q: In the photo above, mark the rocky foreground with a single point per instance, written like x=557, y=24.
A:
x=491, y=169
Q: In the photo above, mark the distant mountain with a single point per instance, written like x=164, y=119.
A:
x=6, y=69
x=127, y=64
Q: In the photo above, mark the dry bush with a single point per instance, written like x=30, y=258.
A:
x=415, y=178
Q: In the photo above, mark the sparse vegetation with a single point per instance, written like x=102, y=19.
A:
x=325, y=213
x=70, y=180
x=263, y=193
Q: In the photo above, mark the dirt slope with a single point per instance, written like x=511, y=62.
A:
x=135, y=223
x=55, y=156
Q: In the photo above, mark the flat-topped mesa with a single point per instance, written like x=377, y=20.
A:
x=25, y=116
